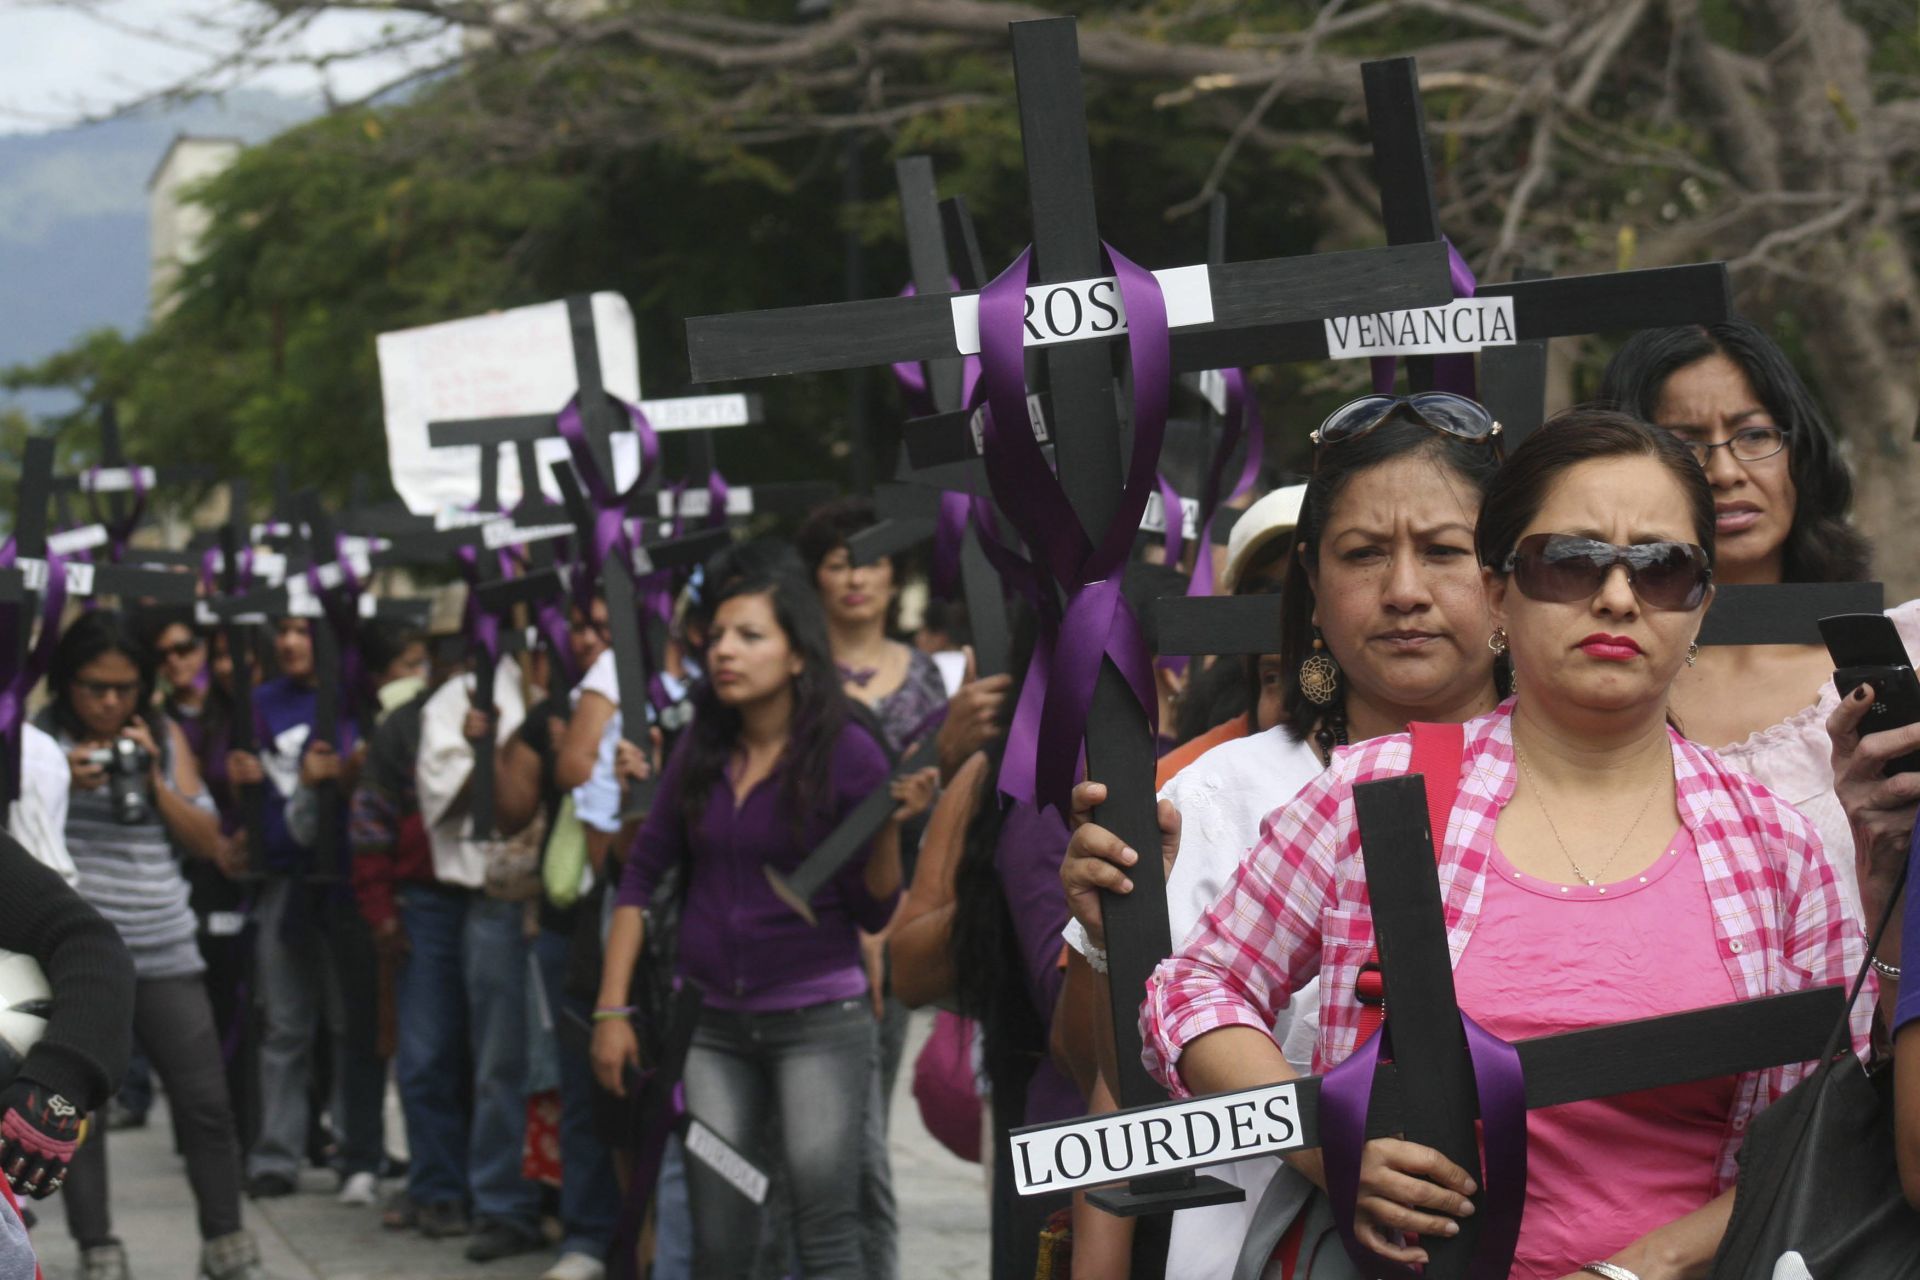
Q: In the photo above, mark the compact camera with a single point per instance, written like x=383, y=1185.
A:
x=127, y=764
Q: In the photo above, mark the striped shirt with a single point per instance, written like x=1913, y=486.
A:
x=129, y=874
x=1299, y=907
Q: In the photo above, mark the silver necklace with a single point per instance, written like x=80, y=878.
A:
x=1540, y=799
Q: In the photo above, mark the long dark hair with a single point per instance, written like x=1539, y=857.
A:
x=1474, y=464
x=1569, y=438
x=819, y=707
x=93, y=635
x=989, y=971
x=1822, y=545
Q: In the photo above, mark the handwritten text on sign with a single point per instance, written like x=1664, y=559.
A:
x=1467, y=324
x=1077, y=310
x=1182, y=1135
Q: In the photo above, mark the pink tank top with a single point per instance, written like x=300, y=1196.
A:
x=1546, y=958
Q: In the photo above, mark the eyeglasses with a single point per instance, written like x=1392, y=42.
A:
x=1559, y=568
x=184, y=649
x=128, y=689
x=1441, y=411
x=1749, y=444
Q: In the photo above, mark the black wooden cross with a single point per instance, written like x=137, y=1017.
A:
x=1427, y=1094
x=116, y=478
x=1256, y=310
x=1542, y=307
x=23, y=587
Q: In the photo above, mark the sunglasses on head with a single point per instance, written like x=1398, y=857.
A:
x=1559, y=568
x=1441, y=411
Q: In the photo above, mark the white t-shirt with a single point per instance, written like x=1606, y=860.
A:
x=446, y=761
x=596, y=802
x=1223, y=797
x=38, y=819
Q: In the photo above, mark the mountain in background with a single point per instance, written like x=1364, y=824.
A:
x=73, y=219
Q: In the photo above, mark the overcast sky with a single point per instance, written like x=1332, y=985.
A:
x=63, y=59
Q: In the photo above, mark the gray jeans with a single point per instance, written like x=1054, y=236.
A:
x=174, y=1019
x=807, y=1074
x=879, y=1219
x=325, y=968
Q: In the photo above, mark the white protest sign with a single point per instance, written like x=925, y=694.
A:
x=507, y=364
x=1077, y=310
x=710, y=1149
x=1161, y=1139
x=1464, y=325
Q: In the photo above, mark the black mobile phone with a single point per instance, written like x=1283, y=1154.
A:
x=1867, y=649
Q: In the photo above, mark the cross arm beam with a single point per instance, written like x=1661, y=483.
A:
x=1253, y=302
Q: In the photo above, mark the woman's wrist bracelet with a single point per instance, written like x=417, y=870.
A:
x=1096, y=957
x=608, y=1012
x=1891, y=972
x=1610, y=1271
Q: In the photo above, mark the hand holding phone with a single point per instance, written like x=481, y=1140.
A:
x=1867, y=649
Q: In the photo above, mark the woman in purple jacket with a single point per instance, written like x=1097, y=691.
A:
x=771, y=763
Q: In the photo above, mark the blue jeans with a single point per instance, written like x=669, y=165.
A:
x=496, y=958
x=319, y=966
x=463, y=1034
x=589, y=1195
x=672, y=1218
x=809, y=1074
x=431, y=1061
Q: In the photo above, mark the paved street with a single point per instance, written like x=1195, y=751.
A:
x=309, y=1237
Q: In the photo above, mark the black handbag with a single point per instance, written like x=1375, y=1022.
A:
x=1819, y=1191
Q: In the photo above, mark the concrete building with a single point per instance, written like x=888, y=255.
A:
x=175, y=225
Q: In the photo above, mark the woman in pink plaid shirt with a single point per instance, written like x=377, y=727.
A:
x=1597, y=867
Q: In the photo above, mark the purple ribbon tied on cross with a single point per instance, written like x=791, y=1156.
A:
x=119, y=532
x=1049, y=724
x=1347, y=1090
x=611, y=535
x=1450, y=372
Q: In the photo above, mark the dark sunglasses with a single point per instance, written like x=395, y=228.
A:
x=1559, y=568
x=1441, y=411
x=186, y=648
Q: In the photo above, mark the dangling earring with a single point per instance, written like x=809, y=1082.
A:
x=1319, y=674
x=1498, y=640
x=1693, y=653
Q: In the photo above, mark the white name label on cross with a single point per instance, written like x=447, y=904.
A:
x=713, y=1151
x=1036, y=418
x=85, y=538
x=1154, y=518
x=455, y=519
x=505, y=533
x=1078, y=310
x=33, y=575
x=696, y=413
x=117, y=479
x=1464, y=325
x=1212, y=385
x=695, y=504
x=1178, y=1135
